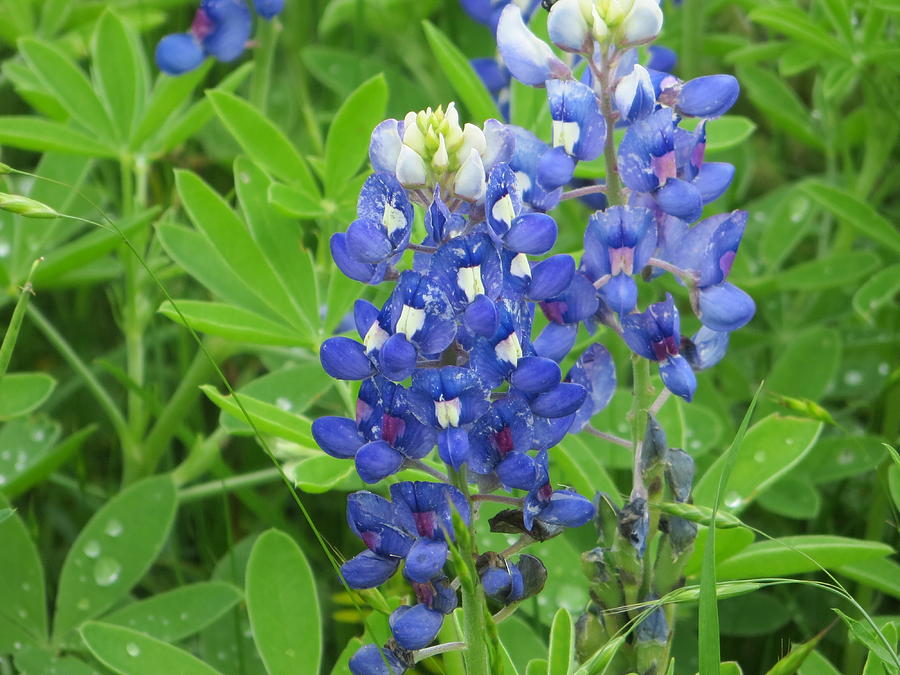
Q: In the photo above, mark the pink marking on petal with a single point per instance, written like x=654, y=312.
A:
x=554, y=311
x=503, y=441
x=202, y=25
x=425, y=523
x=726, y=261
x=363, y=410
x=371, y=540
x=392, y=428
x=545, y=492
x=664, y=167
x=621, y=260
x=697, y=155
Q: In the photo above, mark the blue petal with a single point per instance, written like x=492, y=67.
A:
x=367, y=242
x=578, y=125
x=360, y=271
x=345, y=359
x=368, y=570
x=713, y=179
x=232, y=24
x=425, y=560
x=556, y=340
x=653, y=627
x=680, y=199
x=495, y=581
x=530, y=60
x=551, y=277
x=595, y=371
x=373, y=660
x=364, y=315
x=453, y=446
x=678, y=377
x=662, y=58
x=376, y=461
x=384, y=201
x=178, y=54
x=567, y=27
x=636, y=331
x=562, y=400
x=397, y=358
x=481, y=316
x=268, y=8
x=706, y=348
x=725, y=307
x=620, y=293
x=338, y=436
x=535, y=374
x=531, y=233
x=555, y=168
x=568, y=509
x=548, y=432
x=577, y=303
x=415, y=627
x=491, y=73
x=384, y=146
x=708, y=96
x=518, y=471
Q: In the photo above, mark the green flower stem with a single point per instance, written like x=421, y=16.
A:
x=605, y=76
x=129, y=447
x=642, y=399
x=475, y=629
x=15, y=323
x=181, y=403
x=218, y=487
x=201, y=456
x=262, y=67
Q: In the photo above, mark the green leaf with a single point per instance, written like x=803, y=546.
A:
x=68, y=83
x=229, y=321
x=120, y=71
x=806, y=365
x=772, y=447
x=838, y=269
x=855, y=212
x=863, y=632
x=882, y=574
x=37, y=452
x=129, y=652
x=877, y=292
x=319, y=473
x=793, y=22
x=786, y=556
x=581, y=466
x=176, y=614
x=753, y=615
x=347, y=143
x=296, y=202
x=268, y=418
x=602, y=658
x=168, y=95
x=816, y=664
x=780, y=103
x=293, y=389
x=708, y=624
x=113, y=551
x=34, y=133
x=840, y=457
x=536, y=667
x=723, y=133
x=792, y=498
x=279, y=582
x=562, y=643
x=465, y=81
x=6, y=513
x=31, y=660
x=231, y=238
x=521, y=641
x=265, y=143
x=20, y=393
x=838, y=13
x=23, y=612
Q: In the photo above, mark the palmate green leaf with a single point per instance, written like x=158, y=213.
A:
x=232, y=322
x=877, y=292
x=785, y=556
x=30, y=451
x=795, y=23
x=214, y=218
x=265, y=143
x=838, y=269
x=23, y=611
x=267, y=418
x=33, y=661
x=536, y=667
x=293, y=389
x=176, y=614
x=295, y=202
x=130, y=652
x=855, y=212
x=120, y=71
x=771, y=448
x=465, y=81
x=5, y=513
x=347, y=143
x=780, y=103
x=29, y=87
x=168, y=95
x=279, y=240
x=34, y=133
x=279, y=583
x=20, y=393
x=562, y=643
x=113, y=552
x=728, y=543
x=68, y=83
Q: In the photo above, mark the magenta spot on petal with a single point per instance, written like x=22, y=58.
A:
x=665, y=348
x=697, y=155
x=726, y=261
x=545, y=492
x=503, y=441
x=664, y=167
x=621, y=260
x=425, y=523
x=424, y=593
x=371, y=540
x=363, y=410
x=202, y=25
x=555, y=310
x=392, y=428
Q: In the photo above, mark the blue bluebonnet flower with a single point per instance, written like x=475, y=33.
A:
x=635, y=97
x=374, y=660
x=529, y=59
x=220, y=29
x=656, y=335
x=554, y=508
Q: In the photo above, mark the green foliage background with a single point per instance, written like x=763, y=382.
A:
x=145, y=501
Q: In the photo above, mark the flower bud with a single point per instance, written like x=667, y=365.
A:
x=568, y=25
x=643, y=23
x=24, y=206
x=470, y=182
x=634, y=95
x=411, y=170
x=528, y=58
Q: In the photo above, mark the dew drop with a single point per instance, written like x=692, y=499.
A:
x=132, y=649
x=290, y=653
x=853, y=378
x=883, y=368
x=106, y=571
x=846, y=457
x=733, y=500
x=113, y=528
x=92, y=549
x=183, y=616
x=26, y=586
x=695, y=445
x=2, y=479
x=4, y=249
x=84, y=604
x=17, y=646
x=22, y=613
x=759, y=456
x=284, y=403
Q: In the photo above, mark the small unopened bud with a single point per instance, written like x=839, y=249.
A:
x=411, y=170
x=654, y=448
x=643, y=23
x=568, y=26
x=24, y=206
x=679, y=473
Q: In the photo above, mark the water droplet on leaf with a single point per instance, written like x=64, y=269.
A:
x=106, y=571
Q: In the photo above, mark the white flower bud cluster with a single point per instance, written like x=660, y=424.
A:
x=575, y=24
